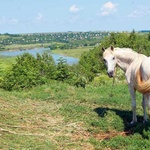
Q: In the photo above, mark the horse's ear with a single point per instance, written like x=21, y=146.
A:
x=112, y=48
x=103, y=49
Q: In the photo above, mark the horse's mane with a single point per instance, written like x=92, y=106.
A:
x=125, y=50
x=126, y=54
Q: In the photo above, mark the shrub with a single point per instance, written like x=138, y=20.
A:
x=29, y=71
x=70, y=74
x=101, y=80
x=62, y=70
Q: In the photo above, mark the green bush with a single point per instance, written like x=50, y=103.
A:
x=29, y=71
x=70, y=74
x=101, y=80
x=62, y=70
x=91, y=64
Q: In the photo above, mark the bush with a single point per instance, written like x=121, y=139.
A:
x=29, y=71
x=62, y=70
x=101, y=80
x=91, y=64
x=70, y=74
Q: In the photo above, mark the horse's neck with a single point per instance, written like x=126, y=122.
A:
x=125, y=57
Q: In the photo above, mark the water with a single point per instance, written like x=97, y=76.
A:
x=70, y=60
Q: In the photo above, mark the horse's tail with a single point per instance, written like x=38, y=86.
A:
x=140, y=85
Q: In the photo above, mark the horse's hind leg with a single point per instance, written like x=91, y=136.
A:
x=144, y=101
x=148, y=103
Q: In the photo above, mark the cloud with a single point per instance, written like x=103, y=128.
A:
x=108, y=8
x=74, y=9
x=8, y=21
x=39, y=17
x=141, y=11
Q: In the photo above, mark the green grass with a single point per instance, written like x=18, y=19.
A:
x=59, y=116
x=73, y=52
x=26, y=46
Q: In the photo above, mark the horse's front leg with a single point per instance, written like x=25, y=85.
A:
x=133, y=99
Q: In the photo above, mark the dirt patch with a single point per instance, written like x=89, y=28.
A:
x=111, y=134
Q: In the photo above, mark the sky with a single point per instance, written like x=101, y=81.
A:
x=39, y=16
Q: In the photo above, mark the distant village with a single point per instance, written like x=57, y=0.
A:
x=54, y=40
x=9, y=39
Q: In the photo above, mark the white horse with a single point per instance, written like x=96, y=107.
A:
x=137, y=71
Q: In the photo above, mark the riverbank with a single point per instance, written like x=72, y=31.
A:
x=76, y=52
x=23, y=47
x=70, y=60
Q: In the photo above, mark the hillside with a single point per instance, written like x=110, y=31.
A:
x=58, y=116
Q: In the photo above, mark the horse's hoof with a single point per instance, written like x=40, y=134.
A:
x=132, y=123
x=146, y=121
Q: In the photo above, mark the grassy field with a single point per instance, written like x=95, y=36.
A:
x=57, y=116
x=27, y=46
x=73, y=52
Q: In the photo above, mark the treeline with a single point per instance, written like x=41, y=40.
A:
x=29, y=71
x=62, y=40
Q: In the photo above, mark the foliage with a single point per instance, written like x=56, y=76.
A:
x=102, y=79
x=29, y=71
x=62, y=72
x=137, y=41
x=91, y=63
x=69, y=74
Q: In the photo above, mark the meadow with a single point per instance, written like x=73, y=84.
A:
x=76, y=52
x=59, y=116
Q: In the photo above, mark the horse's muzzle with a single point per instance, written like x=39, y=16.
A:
x=110, y=74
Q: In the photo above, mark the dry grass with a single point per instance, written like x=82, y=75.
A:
x=41, y=119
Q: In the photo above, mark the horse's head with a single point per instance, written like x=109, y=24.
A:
x=109, y=60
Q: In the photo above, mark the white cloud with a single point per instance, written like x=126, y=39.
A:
x=8, y=21
x=74, y=9
x=13, y=21
x=108, y=8
x=39, y=17
x=140, y=12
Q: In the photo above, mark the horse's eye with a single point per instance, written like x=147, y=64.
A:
x=104, y=60
x=113, y=58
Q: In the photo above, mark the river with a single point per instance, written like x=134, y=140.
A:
x=70, y=60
